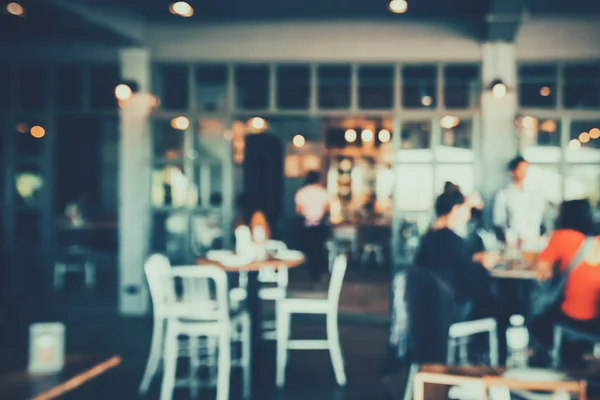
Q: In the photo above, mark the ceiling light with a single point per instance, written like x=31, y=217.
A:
x=15, y=9
x=123, y=92
x=594, y=133
x=545, y=91
x=426, y=101
x=258, y=123
x=384, y=136
x=366, y=135
x=398, y=6
x=37, y=132
x=298, y=140
x=182, y=9
x=180, y=123
x=498, y=88
x=350, y=135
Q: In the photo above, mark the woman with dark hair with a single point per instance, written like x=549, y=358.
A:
x=581, y=303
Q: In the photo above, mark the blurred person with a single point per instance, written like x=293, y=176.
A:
x=580, y=306
x=517, y=208
x=312, y=203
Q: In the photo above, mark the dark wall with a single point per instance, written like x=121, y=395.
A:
x=263, y=174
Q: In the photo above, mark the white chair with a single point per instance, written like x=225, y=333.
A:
x=74, y=259
x=327, y=306
x=562, y=332
x=194, y=299
x=459, y=335
x=211, y=320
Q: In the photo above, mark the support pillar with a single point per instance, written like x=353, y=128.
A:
x=498, y=132
x=134, y=184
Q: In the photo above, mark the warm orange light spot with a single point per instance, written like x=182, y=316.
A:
x=299, y=140
x=123, y=92
x=181, y=123
x=594, y=133
x=384, y=136
x=37, y=132
x=22, y=127
x=15, y=9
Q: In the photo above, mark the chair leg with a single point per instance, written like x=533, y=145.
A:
x=463, y=351
x=379, y=256
x=557, y=339
x=451, y=351
x=194, y=360
x=246, y=357
x=170, y=366
x=364, y=258
x=283, y=334
x=494, y=355
x=224, y=367
x=335, y=350
x=155, y=355
x=408, y=391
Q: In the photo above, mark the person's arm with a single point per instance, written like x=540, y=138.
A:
x=548, y=258
x=500, y=216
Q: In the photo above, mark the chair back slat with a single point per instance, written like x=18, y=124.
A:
x=157, y=268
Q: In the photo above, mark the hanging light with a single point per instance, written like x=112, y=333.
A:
x=180, y=123
x=594, y=133
x=398, y=6
x=15, y=9
x=123, y=92
x=449, y=122
x=181, y=8
x=258, y=123
x=37, y=132
x=298, y=140
x=384, y=136
x=366, y=135
x=574, y=144
x=584, y=137
x=350, y=135
x=498, y=88
x=545, y=91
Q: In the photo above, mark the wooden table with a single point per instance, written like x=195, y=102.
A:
x=252, y=299
x=491, y=377
x=515, y=270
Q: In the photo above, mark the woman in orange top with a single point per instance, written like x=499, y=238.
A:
x=581, y=304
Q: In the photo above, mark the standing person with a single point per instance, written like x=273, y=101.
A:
x=518, y=208
x=312, y=203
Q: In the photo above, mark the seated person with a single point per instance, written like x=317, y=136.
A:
x=581, y=303
x=450, y=257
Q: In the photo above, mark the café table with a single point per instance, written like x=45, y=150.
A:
x=488, y=377
x=252, y=299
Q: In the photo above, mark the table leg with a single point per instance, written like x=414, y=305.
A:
x=254, y=308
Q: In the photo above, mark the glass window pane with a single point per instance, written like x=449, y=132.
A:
x=69, y=87
x=252, y=87
x=211, y=87
x=537, y=86
x=168, y=142
x=32, y=87
x=103, y=81
x=209, y=181
x=457, y=140
x=415, y=142
x=461, y=86
x=546, y=180
x=419, y=85
x=583, y=182
x=584, y=144
x=26, y=145
x=414, y=187
x=5, y=87
x=171, y=187
x=29, y=184
x=174, y=87
x=293, y=87
x=376, y=87
x=539, y=139
x=582, y=86
x=334, y=86
x=461, y=175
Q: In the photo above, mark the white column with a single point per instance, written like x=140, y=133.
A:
x=498, y=140
x=134, y=185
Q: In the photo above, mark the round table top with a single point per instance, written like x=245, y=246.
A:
x=254, y=265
